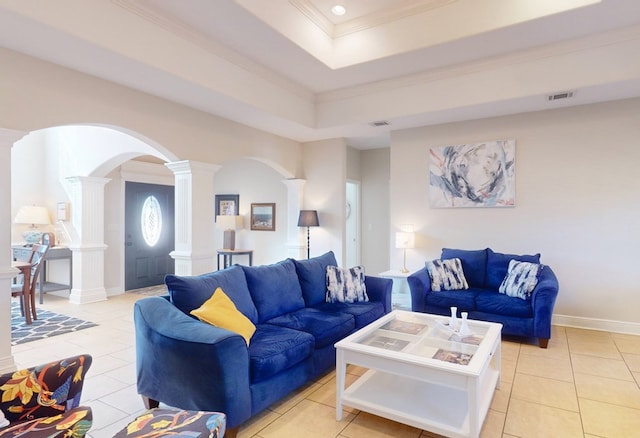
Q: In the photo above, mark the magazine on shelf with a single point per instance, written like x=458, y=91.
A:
x=387, y=343
x=453, y=356
x=411, y=328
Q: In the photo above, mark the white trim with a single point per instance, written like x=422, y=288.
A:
x=632, y=328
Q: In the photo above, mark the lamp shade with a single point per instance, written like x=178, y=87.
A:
x=228, y=222
x=405, y=239
x=33, y=215
x=308, y=218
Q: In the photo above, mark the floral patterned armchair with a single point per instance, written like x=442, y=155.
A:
x=43, y=401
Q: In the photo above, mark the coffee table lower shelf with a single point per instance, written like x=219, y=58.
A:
x=425, y=405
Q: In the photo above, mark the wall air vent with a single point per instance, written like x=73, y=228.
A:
x=380, y=123
x=560, y=96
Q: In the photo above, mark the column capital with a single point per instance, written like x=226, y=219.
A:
x=88, y=180
x=189, y=166
x=293, y=183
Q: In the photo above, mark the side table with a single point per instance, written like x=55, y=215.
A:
x=227, y=256
x=400, y=294
x=21, y=252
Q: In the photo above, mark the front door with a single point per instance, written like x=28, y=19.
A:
x=149, y=234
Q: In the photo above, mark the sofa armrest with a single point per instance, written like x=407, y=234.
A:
x=379, y=289
x=543, y=299
x=189, y=364
x=419, y=286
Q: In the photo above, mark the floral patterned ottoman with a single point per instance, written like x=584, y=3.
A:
x=167, y=422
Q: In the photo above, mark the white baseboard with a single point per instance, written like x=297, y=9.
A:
x=632, y=328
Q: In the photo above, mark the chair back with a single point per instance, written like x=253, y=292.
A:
x=38, y=253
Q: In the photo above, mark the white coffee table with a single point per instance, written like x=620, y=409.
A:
x=419, y=376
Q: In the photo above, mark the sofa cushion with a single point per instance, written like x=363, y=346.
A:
x=498, y=265
x=274, y=349
x=220, y=311
x=312, y=275
x=275, y=289
x=326, y=328
x=464, y=300
x=188, y=293
x=446, y=275
x=500, y=304
x=346, y=285
x=474, y=264
x=521, y=279
x=363, y=313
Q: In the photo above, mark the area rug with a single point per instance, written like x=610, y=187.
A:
x=47, y=325
x=152, y=291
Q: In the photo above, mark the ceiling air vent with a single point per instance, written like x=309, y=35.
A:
x=560, y=96
x=380, y=123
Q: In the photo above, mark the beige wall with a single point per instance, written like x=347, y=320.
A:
x=577, y=203
x=37, y=95
x=375, y=211
x=325, y=190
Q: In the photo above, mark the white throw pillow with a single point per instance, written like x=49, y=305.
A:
x=346, y=285
x=521, y=279
x=446, y=275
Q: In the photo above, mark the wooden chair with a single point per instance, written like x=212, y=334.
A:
x=28, y=303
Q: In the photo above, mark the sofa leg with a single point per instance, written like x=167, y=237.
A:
x=150, y=403
x=543, y=342
x=231, y=433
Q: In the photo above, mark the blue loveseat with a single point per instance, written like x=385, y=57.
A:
x=192, y=365
x=484, y=271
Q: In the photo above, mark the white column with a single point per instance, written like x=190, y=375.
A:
x=87, y=216
x=194, y=253
x=7, y=138
x=296, y=236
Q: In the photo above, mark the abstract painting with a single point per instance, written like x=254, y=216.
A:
x=473, y=175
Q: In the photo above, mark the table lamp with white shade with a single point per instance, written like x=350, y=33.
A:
x=229, y=223
x=405, y=240
x=34, y=216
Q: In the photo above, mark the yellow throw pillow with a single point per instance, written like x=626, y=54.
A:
x=220, y=311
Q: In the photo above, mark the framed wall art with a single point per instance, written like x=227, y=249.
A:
x=263, y=217
x=473, y=175
x=227, y=205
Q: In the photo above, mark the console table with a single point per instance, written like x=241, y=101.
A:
x=227, y=256
x=54, y=253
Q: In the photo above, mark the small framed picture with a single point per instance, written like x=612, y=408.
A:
x=227, y=205
x=263, y=217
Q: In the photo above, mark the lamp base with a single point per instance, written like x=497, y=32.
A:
x=229, y=240
x=32, y=236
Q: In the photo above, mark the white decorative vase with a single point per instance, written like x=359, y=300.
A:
x=464, y=327
x=453, y=320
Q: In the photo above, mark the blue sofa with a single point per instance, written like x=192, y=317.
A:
x=192, y=365
x=484, y=271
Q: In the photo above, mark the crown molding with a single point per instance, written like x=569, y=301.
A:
x=369, y=21
x=170, y=23
x=548, y=51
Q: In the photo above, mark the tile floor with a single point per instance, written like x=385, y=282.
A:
x=586, y=384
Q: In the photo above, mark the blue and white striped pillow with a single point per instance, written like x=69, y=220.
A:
x=446, y=275
x=346, y=285
x=521, y=279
